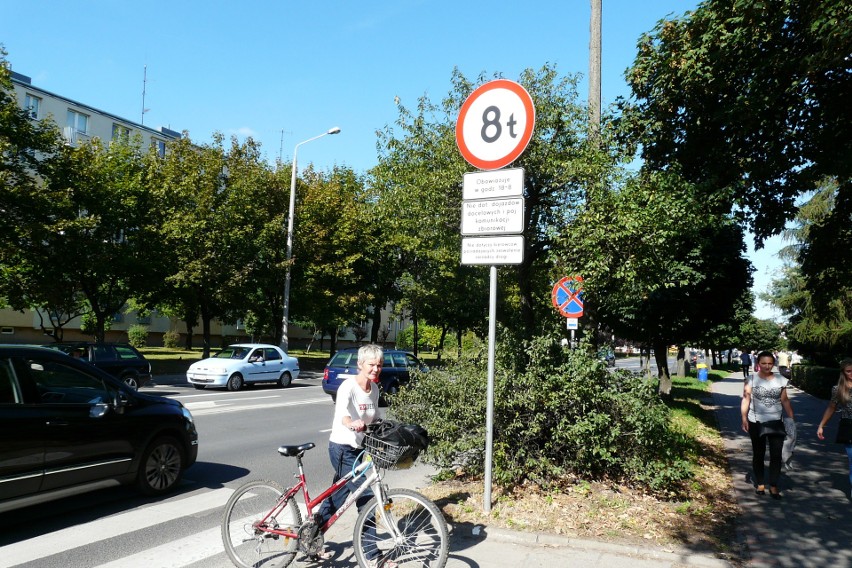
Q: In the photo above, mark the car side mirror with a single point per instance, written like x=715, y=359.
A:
x=98, y=410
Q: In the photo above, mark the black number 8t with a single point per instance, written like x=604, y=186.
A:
x=494, y=121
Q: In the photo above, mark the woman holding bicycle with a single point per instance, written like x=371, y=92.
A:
x=357, y=405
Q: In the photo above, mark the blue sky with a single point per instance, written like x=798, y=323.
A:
x=273, y=69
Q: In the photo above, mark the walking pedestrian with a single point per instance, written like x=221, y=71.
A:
x=745, y=360
x=784, y=364
x=841, y=399
x=764, y=398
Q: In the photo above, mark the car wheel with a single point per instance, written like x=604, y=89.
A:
x=132, y=381
x=199, y=387
x=334, y=398
x=161, y=466
x=235, y=382
x=285, y=379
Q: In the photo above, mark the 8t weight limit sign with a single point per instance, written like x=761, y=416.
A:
x=495, y=124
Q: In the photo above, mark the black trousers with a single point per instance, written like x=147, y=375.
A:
x=758, y=447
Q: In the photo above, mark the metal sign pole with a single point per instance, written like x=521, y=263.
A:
x=489, y=413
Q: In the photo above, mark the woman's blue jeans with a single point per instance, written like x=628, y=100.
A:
x=849, y=455
x=343, y=458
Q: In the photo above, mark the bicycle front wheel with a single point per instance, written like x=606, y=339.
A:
x=408, y=529
x=252, y=511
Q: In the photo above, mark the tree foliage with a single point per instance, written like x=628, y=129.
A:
x=749, y=99
x=653, y=261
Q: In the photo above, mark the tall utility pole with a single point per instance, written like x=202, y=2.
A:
x=595, y=70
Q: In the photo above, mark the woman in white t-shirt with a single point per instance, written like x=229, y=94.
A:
x=764, y=398
x=356, y=406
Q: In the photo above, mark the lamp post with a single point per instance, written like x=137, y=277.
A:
x=286, y=321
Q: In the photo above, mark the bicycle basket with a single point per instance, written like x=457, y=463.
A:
x=389, y=456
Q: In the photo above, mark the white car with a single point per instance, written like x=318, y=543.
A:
x=244, y=363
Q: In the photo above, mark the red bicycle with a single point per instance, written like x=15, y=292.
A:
x=263, y=525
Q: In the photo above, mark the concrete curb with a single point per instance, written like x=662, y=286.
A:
x=676, y=554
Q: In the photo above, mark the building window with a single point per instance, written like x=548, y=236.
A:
x=161, y=147
x=78, y=122
x=32, y=105
x=120, y=132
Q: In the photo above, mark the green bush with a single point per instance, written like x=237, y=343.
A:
x=137, y=335
x=556, y=413
x=815, y=380
x=171, y=339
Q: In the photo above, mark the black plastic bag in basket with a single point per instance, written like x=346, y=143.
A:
x=399, y=434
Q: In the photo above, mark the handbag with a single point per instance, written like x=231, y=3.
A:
x=772, y=428
x=844, y=431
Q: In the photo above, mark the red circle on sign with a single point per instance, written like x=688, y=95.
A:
x=500, y=91
x=566, y=296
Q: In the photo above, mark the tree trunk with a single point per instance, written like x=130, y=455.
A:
x=444, y=330
x=459, y=340
x=416, y=335
x=377, y=325
x=332, y=341
x=681, y=361
x=661, y=357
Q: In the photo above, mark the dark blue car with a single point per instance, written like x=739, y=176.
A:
x=396, y=370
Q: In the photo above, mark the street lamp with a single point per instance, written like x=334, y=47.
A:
x=285, y=322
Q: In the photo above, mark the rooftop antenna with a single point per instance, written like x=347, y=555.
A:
x=144, y=87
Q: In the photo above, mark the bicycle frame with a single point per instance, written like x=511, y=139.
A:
x=373, y=479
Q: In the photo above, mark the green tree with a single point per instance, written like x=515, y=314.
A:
x=329, y=269
x=810, y=290
x=98, y=227
x=761, y=335
x=749, y=99
x=29, y=276
x=193, y=185
x=418, y=185
x=657, y=269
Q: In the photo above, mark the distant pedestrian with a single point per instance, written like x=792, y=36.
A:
x=745, y=360
x=841, y=399
x=784, y=364
x=764, y=399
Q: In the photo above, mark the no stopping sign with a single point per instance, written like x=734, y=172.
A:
x=495, y=124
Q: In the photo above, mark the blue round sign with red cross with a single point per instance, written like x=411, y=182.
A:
x=567, y=296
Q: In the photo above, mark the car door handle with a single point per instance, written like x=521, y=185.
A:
x=57, y=423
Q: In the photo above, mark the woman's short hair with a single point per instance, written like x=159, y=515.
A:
x=370, y=351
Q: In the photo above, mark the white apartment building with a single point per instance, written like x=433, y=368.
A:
x=80, y=123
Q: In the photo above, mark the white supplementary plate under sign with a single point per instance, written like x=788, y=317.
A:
x=494, y=184
x=493, y=250
x=493, y=216
x=572, y=323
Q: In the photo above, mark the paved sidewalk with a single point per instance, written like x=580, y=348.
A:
x=810, y=525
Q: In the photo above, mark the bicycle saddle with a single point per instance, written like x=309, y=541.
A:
x=295, y=451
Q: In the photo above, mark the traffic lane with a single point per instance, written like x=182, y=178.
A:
x=234, y=447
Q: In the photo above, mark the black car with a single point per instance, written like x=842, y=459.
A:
x=120, y=360
x=67, y=427
x=396, y=370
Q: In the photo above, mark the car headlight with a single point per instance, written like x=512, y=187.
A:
x=187, y=414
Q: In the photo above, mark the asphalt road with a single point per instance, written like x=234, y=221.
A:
x=238, y=437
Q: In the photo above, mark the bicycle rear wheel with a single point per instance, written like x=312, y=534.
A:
x=250, y=512
x=422, y=531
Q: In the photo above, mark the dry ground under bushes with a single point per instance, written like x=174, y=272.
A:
x=704, y=522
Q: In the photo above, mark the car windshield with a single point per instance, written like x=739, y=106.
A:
x=232, y=353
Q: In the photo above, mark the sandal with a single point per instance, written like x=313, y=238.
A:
x=323, y=555
x=774, y=494
x=761, y=490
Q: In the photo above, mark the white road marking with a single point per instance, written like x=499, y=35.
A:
x=112, y=526
x=218, y=408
